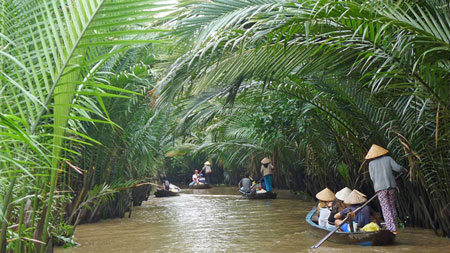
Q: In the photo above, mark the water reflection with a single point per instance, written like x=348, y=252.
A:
x=217, y=220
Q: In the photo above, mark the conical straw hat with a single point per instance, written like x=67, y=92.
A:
x=325, y=195
x=265, y=160
x=343, y=193
x=207, y=163
x=354, y=198
x=360, y=193
x=376, y=151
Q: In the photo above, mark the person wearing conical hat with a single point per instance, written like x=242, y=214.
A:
x=266, y=170
x=354, y=200
x=338, y=204
x=325, y=197
x=380, y=170
x=343, y=193
x=208, y=172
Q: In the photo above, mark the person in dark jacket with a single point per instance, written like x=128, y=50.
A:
x=354, y=200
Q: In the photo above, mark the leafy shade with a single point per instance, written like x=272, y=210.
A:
x=363, y=73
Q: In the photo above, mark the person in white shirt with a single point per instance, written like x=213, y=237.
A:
x=325, y=197
x=195, y=177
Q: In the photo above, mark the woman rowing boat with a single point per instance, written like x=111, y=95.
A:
x=380, y=170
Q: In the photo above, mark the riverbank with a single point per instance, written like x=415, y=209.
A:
x=216, y=220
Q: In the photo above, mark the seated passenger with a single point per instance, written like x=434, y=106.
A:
x=201, y=179
x=194, y=178
x=325, y=197
x=255, y=187
x=245, y=184
x=165, y=184
x=354, y=200
x=338, y=204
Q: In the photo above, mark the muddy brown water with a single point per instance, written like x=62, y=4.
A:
x=217, y=220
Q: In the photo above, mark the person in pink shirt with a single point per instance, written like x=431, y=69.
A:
x=195, y=177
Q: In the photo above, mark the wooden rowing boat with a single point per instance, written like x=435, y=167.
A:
x=377, y=238
x=265, y=195
x=200, y=186
x=164, y=193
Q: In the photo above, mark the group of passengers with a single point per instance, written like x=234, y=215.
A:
x=249, y=186
x=334, y=208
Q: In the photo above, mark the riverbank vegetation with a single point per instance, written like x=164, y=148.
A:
x=98, y=96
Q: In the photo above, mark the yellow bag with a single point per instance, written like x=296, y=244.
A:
x=370, y=227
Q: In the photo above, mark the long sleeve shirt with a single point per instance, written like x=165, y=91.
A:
x=362, y=217
x=380, y=170
x=207, y=169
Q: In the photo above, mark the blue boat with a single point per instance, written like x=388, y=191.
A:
x=376, y=238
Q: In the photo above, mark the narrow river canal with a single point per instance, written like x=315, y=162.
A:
x=216, y=220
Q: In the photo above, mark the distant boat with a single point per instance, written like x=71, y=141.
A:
x=261, y=195
x=173, y=191
x=199, y=186
x=376, y=238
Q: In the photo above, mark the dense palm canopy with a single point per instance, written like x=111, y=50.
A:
x=98, y=95
x=360, y=73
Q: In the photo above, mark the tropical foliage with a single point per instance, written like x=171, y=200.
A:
x=358, y=72
x=54, y=79
x=95, y=100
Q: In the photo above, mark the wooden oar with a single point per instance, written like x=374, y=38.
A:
x=315, y=246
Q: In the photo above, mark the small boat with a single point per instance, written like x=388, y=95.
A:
x=173, y=191
x=200, y=186
x=376, y=238
x=263, y=195
x=164, y=193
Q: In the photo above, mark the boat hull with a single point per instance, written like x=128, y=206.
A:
x=164, y=193
x=200, y=186
x=378, y=238
x=266, y=195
